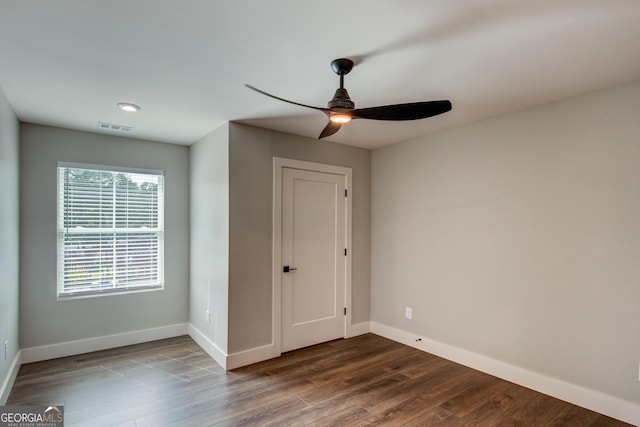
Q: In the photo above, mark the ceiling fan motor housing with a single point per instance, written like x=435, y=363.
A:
x=341, y=99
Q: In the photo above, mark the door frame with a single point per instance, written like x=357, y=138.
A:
x=280, y=163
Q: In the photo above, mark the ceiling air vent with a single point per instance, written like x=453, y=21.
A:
x=117, y=128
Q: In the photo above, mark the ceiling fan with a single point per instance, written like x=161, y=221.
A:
x=341, y=109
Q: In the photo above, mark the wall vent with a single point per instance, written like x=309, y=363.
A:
x=117, y=128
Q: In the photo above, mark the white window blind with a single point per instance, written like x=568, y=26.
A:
x=110, y=230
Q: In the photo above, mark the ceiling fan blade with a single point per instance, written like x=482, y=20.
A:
x=410, y=111
x=325, y=110
x=330, y=129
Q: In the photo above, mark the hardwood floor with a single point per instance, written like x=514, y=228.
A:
x=366, y=380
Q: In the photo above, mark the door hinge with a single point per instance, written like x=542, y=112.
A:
x=345, y=311
x=345, y=251
x=345, y=193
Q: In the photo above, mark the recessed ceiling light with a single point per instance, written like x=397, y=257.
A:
x=127, y=106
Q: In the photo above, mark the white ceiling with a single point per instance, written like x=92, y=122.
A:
x=68, y=62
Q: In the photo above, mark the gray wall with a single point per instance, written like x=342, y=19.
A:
x=518, y=238
x=9, y=246
x=43, y=319
x=251, y=152
x=210, y=235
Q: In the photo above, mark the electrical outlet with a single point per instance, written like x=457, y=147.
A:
x=408, y=312
x=208, y=314
x=6, y=349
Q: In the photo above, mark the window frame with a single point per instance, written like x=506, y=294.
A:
x=62, y=233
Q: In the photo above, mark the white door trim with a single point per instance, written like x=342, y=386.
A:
x=278, y=164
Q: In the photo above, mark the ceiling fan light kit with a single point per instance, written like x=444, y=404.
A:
x=340, y=118
x=341, y=109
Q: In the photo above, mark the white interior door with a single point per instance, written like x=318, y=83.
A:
x=313, y=251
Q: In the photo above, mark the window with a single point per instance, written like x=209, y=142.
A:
x=110, y=230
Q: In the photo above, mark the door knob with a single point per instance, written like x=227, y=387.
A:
x=287, y=269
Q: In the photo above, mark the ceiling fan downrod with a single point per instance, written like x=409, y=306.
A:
x=341, y=99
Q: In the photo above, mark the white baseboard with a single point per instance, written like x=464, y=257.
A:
x=581, y=396
x=70, y=348
x=358, y=329
x=219, y=356
x=7, y=384
x=253, y=355
x=266, y=352
x=234, y=360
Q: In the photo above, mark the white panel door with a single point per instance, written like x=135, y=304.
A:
x=313, y=249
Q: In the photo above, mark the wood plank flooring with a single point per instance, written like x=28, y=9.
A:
x=362, y=381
